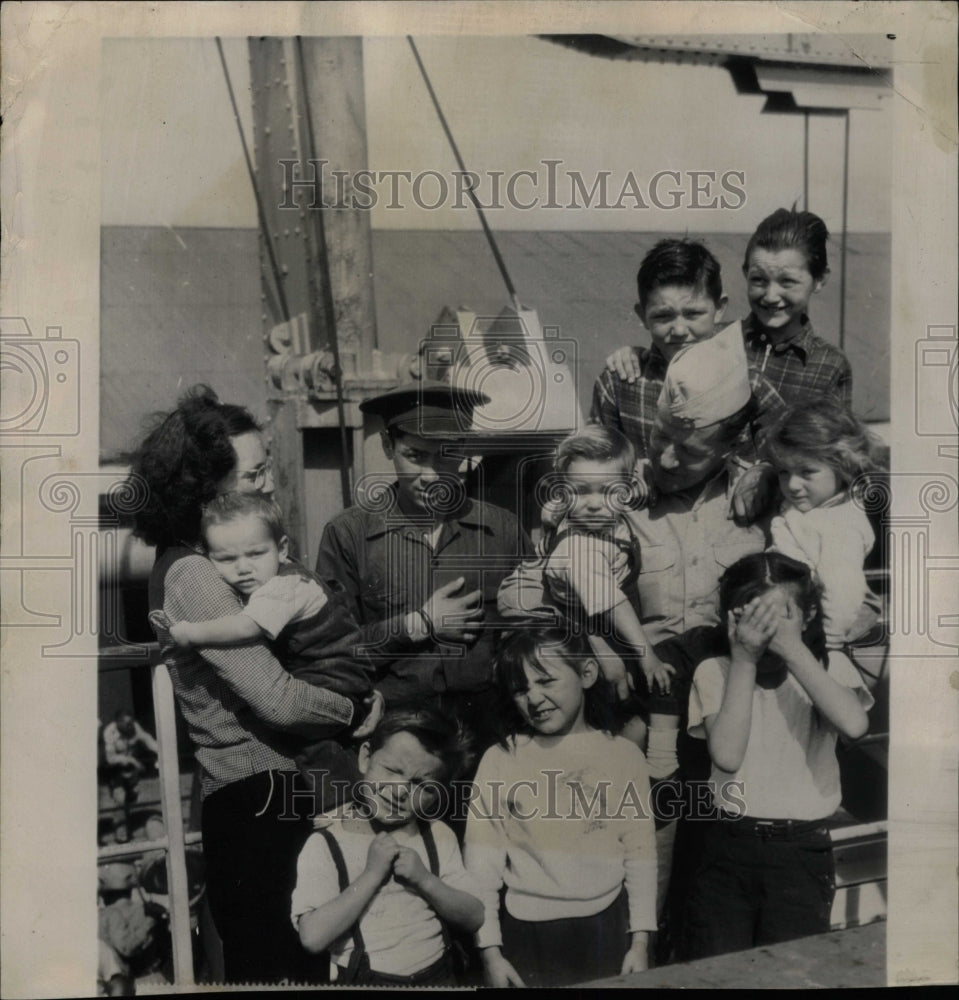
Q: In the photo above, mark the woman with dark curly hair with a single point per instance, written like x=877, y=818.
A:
x=245, y=712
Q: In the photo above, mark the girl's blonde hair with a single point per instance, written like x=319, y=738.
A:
x=596, y=443
x=232, y=506
x=826, y=432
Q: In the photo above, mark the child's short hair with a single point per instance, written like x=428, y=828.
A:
x=787, y=229
x=232, y=506
x=440, y=735
x=754, y=574
x=687, y=263
x=521, y=647
x=826, y=431
x=596, y=443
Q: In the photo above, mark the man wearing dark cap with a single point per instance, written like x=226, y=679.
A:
x=424, y=561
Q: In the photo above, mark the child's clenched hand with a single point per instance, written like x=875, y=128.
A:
x=408, y=868
x=180, y=633
x=382, y=853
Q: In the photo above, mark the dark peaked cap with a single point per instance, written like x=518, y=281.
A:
x=426, y=407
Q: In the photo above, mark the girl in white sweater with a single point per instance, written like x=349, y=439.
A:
x=821, y=451
x=560, y=815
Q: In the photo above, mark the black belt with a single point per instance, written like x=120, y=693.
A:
x=441, y=971
x=782, y=829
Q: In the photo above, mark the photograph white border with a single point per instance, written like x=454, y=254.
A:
x=50, y=276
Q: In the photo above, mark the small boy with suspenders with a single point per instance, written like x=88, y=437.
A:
x=363, y=892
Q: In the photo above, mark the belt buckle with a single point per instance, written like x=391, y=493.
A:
x=767, y=828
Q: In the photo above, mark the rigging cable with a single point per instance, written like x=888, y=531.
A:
x=261, y=215
x=469, y=190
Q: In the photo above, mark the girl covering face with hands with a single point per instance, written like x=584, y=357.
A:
x=771, y=712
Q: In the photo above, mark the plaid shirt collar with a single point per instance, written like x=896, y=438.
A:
x=799, y=345
x=654, y=362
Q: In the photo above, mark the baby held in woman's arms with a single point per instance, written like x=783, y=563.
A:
x=284, y=603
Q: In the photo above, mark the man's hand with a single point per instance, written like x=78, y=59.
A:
x=624, y=362
x=454, y=615
x=753, y=493
x=375, y=703
x=160, y=622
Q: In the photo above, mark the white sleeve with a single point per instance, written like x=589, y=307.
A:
x=789, y=538
x=705, y=695
x=273, y=605
x=639, y=843
x=843, y=579
x=844, y=672
x=586, y=566
x=452, y=870
x=317, y=882
x=486, y=844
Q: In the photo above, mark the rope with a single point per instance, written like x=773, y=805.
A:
x=500, y=263
x=261, y=215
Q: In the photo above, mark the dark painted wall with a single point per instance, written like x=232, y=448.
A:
x=181, y=306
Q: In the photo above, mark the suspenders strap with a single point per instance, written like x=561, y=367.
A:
x=336, y=853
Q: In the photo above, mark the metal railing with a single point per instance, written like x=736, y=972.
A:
x=175, y=843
